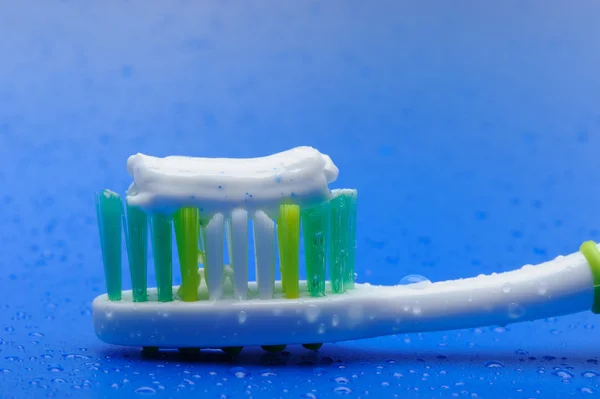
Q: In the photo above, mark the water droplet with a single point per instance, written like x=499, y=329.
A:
x=58, y=381
x=587, y=390
x=341, y=380
x=335, y=320
x=416, y=310
x=309, y=396
x=36, y=334
x=242, y=317
x=542, y=288
x=145, y=391
x=494, y=364
x=415, y=281
x=239, y=372
x=563, y=373
x=515, y=311
x=312, y=313
x=506, y=288
x=385, y=384
x=342, y=390
x=76, y=356
x=321, y=329
x=590, y=374
x=55, y=368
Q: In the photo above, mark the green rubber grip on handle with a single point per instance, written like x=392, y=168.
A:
x=589, y=249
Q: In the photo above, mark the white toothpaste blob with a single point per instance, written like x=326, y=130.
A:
x=300, y=176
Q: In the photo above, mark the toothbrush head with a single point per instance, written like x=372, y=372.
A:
x=209, y=204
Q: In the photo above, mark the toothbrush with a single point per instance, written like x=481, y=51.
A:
x=203, y=200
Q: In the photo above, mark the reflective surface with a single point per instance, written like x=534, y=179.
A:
x=471, y=132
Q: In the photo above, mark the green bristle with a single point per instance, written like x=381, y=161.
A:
x=163, y=255
x=136, y=237
x=351, y=244
x=340, y=242
x=109, y=209
x=288, y=234
x=186, y=233
x=315, y=228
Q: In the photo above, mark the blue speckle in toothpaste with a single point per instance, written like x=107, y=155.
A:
x=278, y=179
x=220, y=187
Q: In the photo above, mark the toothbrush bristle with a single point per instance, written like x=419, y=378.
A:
x=328, y=231
x=109, y=208
x=265, y=254
x=351, y=243
x=315, y=228
x=288, y=233
x=341, y=264
x=213, y=256
x=186, y=221
x=136, y=238
x=238, y=242
x=163, y=255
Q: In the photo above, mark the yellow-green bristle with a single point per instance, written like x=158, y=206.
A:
x=288, y=234
x=109, y=209
x=186, y=222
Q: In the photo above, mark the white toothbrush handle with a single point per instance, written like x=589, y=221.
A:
x=554, y=288
x=562, y=286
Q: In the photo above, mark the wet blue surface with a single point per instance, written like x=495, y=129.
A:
x=470, y=129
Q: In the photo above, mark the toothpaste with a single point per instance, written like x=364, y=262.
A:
x=220, y=185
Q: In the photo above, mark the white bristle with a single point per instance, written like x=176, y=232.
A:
x=214, y=237
x=264, y=249
x=238, y=251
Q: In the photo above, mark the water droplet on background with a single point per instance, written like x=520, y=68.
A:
x=494, y=364
x=341, y=380
x=563, y=373
x=145, y=391
x=239, y=372
x=342, y=390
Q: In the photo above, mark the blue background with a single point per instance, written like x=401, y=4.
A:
x=471, y=130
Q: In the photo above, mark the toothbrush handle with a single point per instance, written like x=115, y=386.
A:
x=558, y=287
